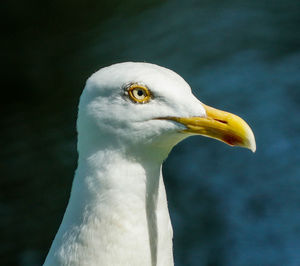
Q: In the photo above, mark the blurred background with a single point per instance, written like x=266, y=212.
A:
x=229, y=207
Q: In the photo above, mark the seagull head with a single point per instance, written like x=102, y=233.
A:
x=142, y=107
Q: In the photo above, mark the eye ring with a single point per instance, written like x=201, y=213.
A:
x=139, y=93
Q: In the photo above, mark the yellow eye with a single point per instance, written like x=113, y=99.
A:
x=139, y=93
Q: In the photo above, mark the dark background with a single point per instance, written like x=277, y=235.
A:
x=228, y=206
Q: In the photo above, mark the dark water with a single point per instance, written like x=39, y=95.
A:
x=228, y=206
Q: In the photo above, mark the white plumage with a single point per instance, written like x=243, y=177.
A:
x=117, y=212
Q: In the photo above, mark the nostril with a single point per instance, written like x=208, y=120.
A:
x=221, y=121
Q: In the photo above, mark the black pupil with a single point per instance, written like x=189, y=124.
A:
x=140, y=93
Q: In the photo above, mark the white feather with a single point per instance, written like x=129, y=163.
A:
x=117, y=212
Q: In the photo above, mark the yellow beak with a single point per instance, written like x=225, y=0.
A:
x=220, y=125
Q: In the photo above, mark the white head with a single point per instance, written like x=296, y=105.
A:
x=140, y=106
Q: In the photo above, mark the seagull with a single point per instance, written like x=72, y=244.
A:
x=130, y=117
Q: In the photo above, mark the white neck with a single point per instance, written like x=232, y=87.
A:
x=117, y=215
